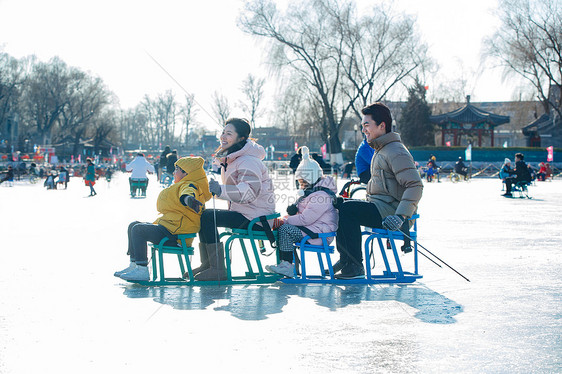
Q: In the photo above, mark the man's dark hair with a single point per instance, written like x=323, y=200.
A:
x=380, y=113
x=520, y=156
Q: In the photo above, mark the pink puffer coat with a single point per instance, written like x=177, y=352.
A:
x=317, y=212
x=246, y=182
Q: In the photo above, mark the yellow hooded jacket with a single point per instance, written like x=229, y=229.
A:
x=175, y=217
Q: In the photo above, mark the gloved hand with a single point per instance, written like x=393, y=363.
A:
x=392, y=223
x=215, y=187
x=193, y=203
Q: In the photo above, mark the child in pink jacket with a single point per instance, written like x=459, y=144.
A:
x=314, y=211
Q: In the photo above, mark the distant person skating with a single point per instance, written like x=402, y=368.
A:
x=460, y=168
x=521, y=173
x=9, y=177
x=163, y=162
x=90, y=177
x=138, y=168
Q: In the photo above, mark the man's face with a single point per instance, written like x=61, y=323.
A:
x=371, y=129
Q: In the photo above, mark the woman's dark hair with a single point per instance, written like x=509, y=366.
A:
x=380, y=113
x=243, y=129
x=241, y=125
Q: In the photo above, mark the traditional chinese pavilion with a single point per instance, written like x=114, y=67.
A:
x=468, y=121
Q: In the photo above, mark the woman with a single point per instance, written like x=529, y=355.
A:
x=90, y=178
x=247, y=187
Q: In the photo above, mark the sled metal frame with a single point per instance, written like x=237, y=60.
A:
x=388, y=276
x=325, y=249
x=522, y=189
x=250, y=277
x=136, y=187
x=257, y=239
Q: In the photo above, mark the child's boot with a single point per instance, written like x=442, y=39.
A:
x=126, y=270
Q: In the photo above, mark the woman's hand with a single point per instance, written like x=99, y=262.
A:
x=215, y=187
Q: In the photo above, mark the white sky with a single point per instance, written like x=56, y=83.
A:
x=199, y=43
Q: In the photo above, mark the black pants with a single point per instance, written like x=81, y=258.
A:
x=139, y=233
x=510, y=181
x=224, y=218
x=352, y=215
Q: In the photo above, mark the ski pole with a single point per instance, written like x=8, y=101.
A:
x=431, y=253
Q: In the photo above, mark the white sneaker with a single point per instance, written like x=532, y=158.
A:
x=139, y=273
x=131, y=266
x=284, y=268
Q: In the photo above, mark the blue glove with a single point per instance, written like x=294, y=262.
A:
x=393, y=223
x=215, y=187
x=193, y=203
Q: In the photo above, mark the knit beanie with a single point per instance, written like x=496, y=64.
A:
x=507, y=161
x=309, y=170
x=190, y=164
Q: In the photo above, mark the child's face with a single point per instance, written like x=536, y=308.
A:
x=303, y=184
x=178, y=174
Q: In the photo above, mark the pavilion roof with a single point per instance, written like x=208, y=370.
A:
x=469, y=114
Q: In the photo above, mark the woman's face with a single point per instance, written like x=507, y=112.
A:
x=229, y=137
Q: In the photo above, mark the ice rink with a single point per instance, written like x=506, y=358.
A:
x=63, y=311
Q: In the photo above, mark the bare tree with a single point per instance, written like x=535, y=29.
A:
x=86, y=97
x=188, y=113
x=165, y=108
x=342, y=57
x=528, y=44
x=102, y=127
x=252, y=88
x=45, y=96
x=150, y=132
x=12, y=80
x=133, y=124
x=221, y=107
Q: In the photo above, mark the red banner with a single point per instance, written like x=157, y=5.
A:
x=550, y=155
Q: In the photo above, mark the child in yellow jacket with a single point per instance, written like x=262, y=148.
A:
x=180, y=207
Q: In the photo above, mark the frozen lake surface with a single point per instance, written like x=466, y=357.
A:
x=63, y=311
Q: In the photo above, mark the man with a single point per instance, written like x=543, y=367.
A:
x=393, y=192
x=163, y=162
x=521, y=172
x=460, y=168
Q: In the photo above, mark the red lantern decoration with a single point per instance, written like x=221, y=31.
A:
x=285, y=155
